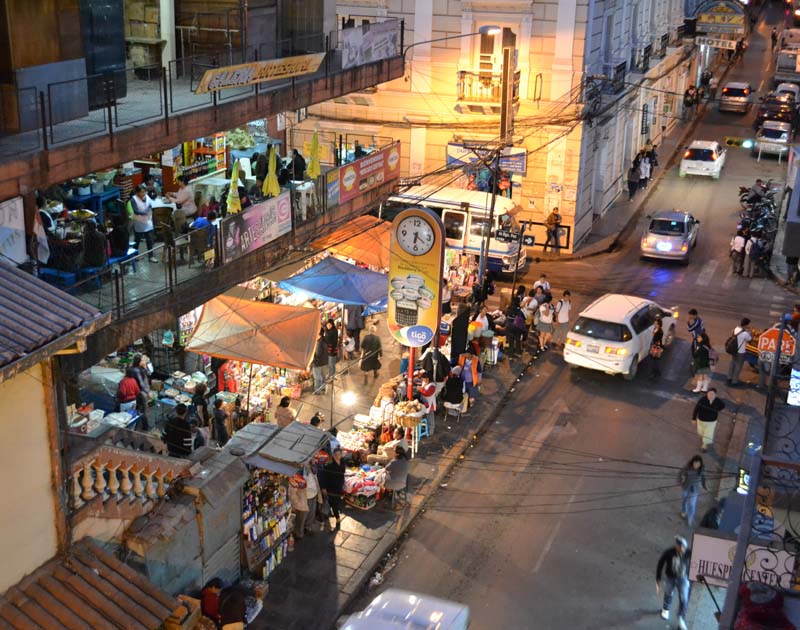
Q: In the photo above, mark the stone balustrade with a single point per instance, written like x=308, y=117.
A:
x=115, y=475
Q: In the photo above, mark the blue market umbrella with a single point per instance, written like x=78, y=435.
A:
x=337, y=281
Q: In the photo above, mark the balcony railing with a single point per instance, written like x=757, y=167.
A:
x=477, y=86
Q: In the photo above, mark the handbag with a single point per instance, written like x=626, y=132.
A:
x=656, y=351
x=325, y=508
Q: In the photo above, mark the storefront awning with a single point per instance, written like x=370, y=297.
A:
x=289, y=449
x=334, y=280
x=365, y=239
x=250, y=438
x=257, y=332
x=86, y=588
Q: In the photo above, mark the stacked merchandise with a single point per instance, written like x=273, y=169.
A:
x=357, y=441
x=266, y=382
x=265, y=522
x=361, y=488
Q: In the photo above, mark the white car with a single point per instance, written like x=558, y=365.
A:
x=703, y=157
x=401, y=610
x=613, y=334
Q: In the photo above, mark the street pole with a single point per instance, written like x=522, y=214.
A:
x=506, y=127
x=516, y=260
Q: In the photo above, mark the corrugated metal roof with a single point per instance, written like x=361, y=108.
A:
x=35, y=313
x=88, y=588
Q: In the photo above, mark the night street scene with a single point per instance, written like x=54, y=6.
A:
x=400, y=314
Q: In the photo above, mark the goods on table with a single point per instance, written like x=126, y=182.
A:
x=361, y=489
x=408, y=413
x=356, y=440
x=265, y=522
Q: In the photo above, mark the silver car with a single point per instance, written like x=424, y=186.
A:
x=736, y=97
x=773, y=139
x=670, y=235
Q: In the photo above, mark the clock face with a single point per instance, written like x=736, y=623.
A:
x=415, y=235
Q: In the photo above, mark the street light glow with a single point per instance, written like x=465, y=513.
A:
x=490, y=30
x=349, y=398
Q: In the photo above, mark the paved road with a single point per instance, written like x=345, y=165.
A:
x=557, y=517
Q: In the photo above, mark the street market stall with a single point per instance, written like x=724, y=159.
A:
x=334, y=280
x=272, y=455
x=278, y=339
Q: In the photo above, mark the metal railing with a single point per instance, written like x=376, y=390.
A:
x=65, y=112
x=538, y=229
x=478, y=86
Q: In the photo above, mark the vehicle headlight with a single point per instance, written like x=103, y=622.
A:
x=573, y=342
x=620, y=352
x=506, y=259
x=685, y=247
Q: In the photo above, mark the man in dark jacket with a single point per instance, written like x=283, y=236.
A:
x=331, y=482
x=674, y=564
x=319, y=363
x=298, y=166
x=178, y=433
x=332, y=339
x=705, y=414
x=371, y=352
x=354, y=322
x=94, y=246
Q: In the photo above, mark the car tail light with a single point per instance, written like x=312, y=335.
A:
x=620, y=352
x=724, y=90
x=685, y=247
x=687, y=154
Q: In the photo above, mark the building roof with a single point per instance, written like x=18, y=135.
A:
x=87, y=588
x=35, y=314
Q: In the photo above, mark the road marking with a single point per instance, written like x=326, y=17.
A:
x=729, y=279
x=672, y=396
x=704, y=277
x=556, y=528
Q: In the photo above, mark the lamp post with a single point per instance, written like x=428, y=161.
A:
x=483, y=30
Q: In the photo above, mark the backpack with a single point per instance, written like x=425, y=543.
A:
x=732, y=344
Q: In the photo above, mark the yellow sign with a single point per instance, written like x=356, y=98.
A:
x=258, y=71
x=416, y=259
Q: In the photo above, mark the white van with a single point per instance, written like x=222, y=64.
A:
x=465, y=214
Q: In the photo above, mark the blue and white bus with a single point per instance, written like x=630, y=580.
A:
x=465, y=214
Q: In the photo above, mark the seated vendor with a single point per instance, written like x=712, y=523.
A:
x=397, y=471
x=386, y=451
x=453, y=392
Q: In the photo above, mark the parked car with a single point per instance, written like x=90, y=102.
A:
x=789, y=89
x=670, y=235
x=773, y=139
x=613, y=334
x=402, y=610
x=775, y=107
x=703, y=157
x=736, y=97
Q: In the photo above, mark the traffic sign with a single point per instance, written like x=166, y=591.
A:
x=768, y=344
x=528, y=240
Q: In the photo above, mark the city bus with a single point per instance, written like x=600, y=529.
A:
x=465, y=214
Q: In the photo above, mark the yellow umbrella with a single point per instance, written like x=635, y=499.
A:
x=234, y=203
x=313, y=169
x=271, y=186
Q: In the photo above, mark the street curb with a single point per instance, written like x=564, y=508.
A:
x=417, y=502
x=610, y=242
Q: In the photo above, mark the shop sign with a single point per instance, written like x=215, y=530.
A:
x=712, y=558
x=254, y=72
x=506, y=236
x=720, y=17
x=716, y=42
x=12, y=231
x=256, y=226
x=768, y=345
x=332, y=187
x=416, y=264
x=370, y=42
x=645, y=120
x=369, y=172
x=513, y=160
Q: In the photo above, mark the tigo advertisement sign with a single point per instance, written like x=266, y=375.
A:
x=416, y=261
x=369, y=172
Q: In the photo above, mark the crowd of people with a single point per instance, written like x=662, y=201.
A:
x=641, y=170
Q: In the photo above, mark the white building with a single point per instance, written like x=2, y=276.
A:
x=451, y=91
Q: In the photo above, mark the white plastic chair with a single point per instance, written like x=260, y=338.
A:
x=247, y=169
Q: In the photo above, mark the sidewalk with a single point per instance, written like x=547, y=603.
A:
x=778, y=268
x=327, y=571
x=609, y=229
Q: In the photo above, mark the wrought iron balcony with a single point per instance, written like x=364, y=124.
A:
x=480, y=86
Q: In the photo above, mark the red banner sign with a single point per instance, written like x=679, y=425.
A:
x=369, y=172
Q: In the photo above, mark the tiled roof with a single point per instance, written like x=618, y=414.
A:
x=87, y=588
x=35, y=313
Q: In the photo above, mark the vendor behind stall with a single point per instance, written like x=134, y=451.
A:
x=140, y=211
x=386, y=451
x=184, y=197
x=396, y=476
x=284, y=414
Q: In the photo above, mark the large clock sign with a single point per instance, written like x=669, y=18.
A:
x=415, y=276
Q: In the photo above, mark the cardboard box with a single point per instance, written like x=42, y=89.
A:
x=151, y=15
x=134, y=11
x=150, y=30
x=137, y=29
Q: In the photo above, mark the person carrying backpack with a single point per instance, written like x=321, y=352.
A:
x=736, y=346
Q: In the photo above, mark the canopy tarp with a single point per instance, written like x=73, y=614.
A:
x=365, y=239
x=334, y=280
x=259, y=332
